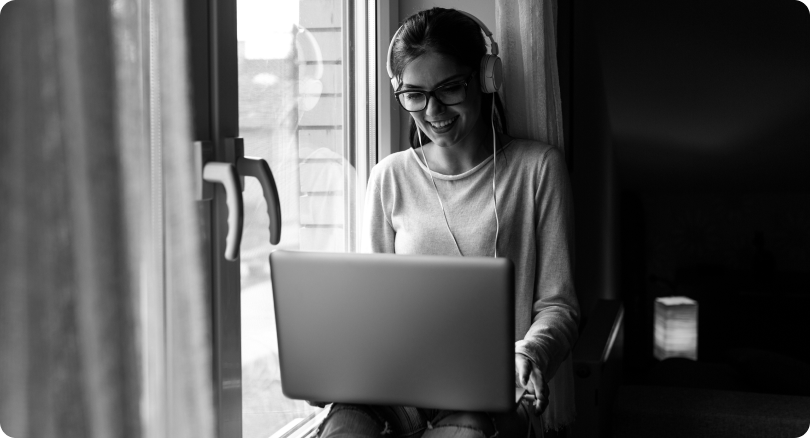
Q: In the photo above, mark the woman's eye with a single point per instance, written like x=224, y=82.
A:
x=413, y=96
x=452, y=92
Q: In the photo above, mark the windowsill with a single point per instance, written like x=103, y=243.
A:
x=302, y=427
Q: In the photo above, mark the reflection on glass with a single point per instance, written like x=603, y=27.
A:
x=291, y=114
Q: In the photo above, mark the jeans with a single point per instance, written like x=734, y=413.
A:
x=356, y=420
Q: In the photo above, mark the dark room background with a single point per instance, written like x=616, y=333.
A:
x=689, y=123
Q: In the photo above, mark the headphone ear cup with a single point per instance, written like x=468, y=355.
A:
x=490, y=74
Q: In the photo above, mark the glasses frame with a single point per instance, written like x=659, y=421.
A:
x=429, y=93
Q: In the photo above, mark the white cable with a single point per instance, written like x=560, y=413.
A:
x=495, y=210
x=437, y=192
x=493, y=185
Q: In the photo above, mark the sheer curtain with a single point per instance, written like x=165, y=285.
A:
x=527, y=46
x=103, y=329
x=526, y=31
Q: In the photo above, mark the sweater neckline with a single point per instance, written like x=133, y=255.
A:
x=465, y=174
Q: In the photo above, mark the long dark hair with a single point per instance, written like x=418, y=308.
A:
x=450, y=33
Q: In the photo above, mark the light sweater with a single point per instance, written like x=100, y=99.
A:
x=402, y=215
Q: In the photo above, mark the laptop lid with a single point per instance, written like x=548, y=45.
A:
x=424, y=331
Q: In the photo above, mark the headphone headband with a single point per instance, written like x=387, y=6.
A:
x=491, y=65
x=488, y=33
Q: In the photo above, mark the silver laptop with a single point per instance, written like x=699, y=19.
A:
x=424, y=331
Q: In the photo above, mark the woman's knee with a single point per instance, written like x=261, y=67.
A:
x=461, y=424
x=350, y=420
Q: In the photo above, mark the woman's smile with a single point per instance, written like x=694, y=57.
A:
x=443, y=125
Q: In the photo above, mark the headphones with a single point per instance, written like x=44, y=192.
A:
x=490, y=67
x=490, y=79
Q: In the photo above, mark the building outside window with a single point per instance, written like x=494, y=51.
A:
x=293, y=107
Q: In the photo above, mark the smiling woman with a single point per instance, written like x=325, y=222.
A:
x=452, y=37
x=450, y=198
x=452, y=101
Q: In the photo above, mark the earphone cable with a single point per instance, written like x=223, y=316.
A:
x=437, y=192
x=495, y=209
x=493, y=186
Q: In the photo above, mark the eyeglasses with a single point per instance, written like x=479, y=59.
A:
x=448, y=94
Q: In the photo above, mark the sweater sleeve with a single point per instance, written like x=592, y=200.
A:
x=554, y=327
x=378, y=236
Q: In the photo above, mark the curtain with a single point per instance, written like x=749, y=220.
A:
x=526, y=32
x=103, y=329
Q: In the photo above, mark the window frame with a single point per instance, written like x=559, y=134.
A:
x=213, y=55
x=388, y=121
x=211, y=25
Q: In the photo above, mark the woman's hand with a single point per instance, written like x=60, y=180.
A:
x=530, y=378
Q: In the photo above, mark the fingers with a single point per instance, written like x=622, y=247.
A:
x=523, y=370
x=541, y=391
x=527, y=376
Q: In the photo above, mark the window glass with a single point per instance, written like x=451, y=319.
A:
x=292, y=112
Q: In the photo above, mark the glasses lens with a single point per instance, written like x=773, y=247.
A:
x=412, y=101
x=452, y=94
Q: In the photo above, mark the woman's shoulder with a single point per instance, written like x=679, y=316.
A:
x=529, y=147
x=394, y=164
x=527, y=152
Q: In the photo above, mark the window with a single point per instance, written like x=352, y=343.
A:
x=302, y=108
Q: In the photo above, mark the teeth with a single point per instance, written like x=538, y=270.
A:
x=441, y=123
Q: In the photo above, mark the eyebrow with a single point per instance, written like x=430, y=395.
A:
x=449, y=79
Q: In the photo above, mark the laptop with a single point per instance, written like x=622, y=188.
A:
x=384, y=329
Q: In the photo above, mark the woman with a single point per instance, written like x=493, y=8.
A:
x=445, y=197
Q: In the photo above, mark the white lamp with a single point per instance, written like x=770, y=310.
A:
x=675, y=327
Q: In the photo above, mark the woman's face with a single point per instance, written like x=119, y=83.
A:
x=429, y=71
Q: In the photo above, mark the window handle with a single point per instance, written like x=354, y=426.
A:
x=226, y=174
x=259, y=169
x=230, y=174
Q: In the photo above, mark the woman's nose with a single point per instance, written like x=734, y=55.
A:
x=434, y=106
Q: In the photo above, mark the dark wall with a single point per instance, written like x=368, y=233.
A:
x=708, y=108
x=687, y=128
x=593, y=167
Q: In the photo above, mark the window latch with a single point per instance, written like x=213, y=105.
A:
x=224, y=173
x=231, y=175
